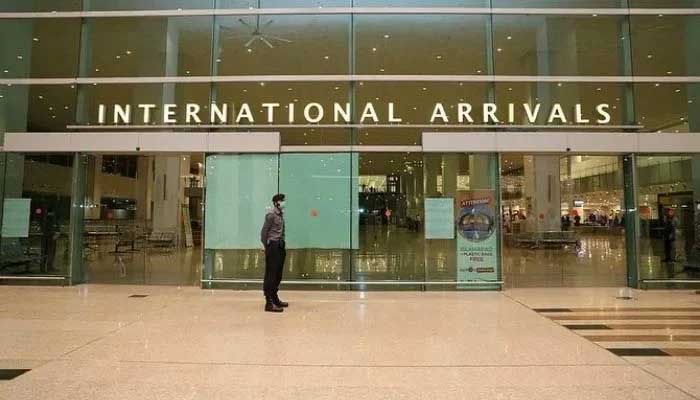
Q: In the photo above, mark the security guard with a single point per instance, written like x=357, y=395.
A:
x=272, y=237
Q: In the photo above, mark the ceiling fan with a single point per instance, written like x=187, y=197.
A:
x=257, y=34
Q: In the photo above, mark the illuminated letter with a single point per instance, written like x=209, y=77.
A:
x=490, y=112
x=319, y=113
x=532, y=114
x=270, y=111
x=291, y=113
x=579, y=116
x=147, y=112
x=392, y=118
x=169, y=113
x=463, y=112
x=439, y=112
x=101, y=115
x=191, y=112
x=122, y=113
x=245, y=112
x=557, y=113
x=603, y=111
x=220, y=113
x=369, y=112
x=511, y=113
x=340, y=112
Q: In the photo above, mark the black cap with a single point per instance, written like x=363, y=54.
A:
x=278, y=197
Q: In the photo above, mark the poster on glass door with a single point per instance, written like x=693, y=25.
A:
x=477, y=236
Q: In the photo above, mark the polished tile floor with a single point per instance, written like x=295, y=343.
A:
x=98, y=342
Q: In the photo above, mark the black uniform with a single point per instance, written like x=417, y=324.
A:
x=272, y=237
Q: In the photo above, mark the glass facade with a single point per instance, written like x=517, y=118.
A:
x=352, y=86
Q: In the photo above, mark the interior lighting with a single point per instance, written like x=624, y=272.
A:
x=36, y=39
x=386, y=36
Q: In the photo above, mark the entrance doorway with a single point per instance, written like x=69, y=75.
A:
x=143, y=219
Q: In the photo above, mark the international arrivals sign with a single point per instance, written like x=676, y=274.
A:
x=341, y=113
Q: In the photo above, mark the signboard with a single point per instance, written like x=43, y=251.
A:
x=462, y=113
x=15, y=218
x=477, y=236
x=439, y=218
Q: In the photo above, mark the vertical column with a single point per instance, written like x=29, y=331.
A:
x=556, y=52
x=167, y=195
x=542, y=193
x=450, y=170
x=172, y=58
x=93, y=195
x=480, y=172
x=692, y=49
x=431, y=170
x=77, y=217
x=624, y=34
x=629, y=168
x=144, y=178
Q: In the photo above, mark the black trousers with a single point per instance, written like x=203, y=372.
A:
x=669, y=250
x=275, y=255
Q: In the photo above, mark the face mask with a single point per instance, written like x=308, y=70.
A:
x=281, y=205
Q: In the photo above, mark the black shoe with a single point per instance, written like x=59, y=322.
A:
x=270, y=306
x=279, y=303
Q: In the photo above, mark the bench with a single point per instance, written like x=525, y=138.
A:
x=547, y=239
x=161, y=240
x=12, y=254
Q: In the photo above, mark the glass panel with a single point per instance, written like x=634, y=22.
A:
x=318, y=218
x=154, y=46
x=34, y=239
x=391, y=245
x=108, y=5
x=568, y=95
x=143, y=218
x=560, y=3
x=310, y=104
x=40, y=5
x=460, y=192
x=39, y=48
x=558, y=45
x=668, y=107
x=308, y=44
x=37, y=108
x=281, y=3
x=664, y=45
x=239, y=190
x=563, y=220
x=413, y=103
x=421, y=3
x=420, y=44
x=664, y=3
x=92, y=96
x=669, y=207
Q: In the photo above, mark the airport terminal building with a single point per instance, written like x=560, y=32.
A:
x=422, y=145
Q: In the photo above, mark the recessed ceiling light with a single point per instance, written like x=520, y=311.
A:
x=36, y=39
x=386, y=36
x=326, y=57
x=509, y=37
x=499, y=49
